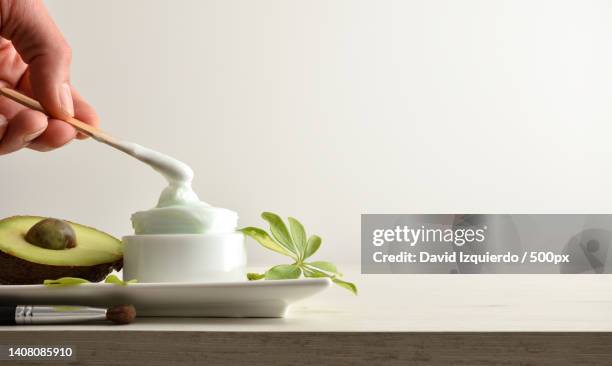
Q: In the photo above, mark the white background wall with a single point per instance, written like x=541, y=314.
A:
x=328, y=109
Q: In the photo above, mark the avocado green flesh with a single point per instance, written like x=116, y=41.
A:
x=93, y=247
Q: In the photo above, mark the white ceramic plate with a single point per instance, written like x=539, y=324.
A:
x=265, y=299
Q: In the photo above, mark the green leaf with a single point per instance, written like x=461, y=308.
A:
x=65, y=281
x=325, y=266
x=298, y=234
x=293, y=243
x=313, y=273
x=279, y=231
x=314, y=242
x=347, y=285
x=283, y=272
x=255, y=276
x=262, y=237
x=115, y=280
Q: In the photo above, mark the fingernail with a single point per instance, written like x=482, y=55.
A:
x=66, y=99
x=32, y=136
x=3, y=124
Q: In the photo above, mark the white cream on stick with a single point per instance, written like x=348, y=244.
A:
x=179, y=210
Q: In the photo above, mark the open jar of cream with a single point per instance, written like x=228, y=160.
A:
x=182, y=239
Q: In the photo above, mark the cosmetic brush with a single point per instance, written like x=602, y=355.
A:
x=33, y=314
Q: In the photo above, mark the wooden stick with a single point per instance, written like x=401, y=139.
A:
x=79, y=125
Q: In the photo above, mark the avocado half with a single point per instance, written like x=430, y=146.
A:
x=95, y=255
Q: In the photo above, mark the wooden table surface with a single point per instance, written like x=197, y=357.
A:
x=425, y=319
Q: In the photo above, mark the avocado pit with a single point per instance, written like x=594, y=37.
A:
x=52, y=234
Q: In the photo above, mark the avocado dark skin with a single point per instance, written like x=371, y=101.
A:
x=17, y=271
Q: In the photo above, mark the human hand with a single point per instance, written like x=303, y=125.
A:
x=35, y=59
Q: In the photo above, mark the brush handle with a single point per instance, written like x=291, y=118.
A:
x=79, y=125
x=7, y=315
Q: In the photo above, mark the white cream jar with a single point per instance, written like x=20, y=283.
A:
x=184, y=257
x=182, y=239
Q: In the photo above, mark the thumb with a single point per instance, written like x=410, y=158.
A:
x=27, y=24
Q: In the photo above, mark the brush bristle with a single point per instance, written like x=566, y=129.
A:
x=121, y=314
